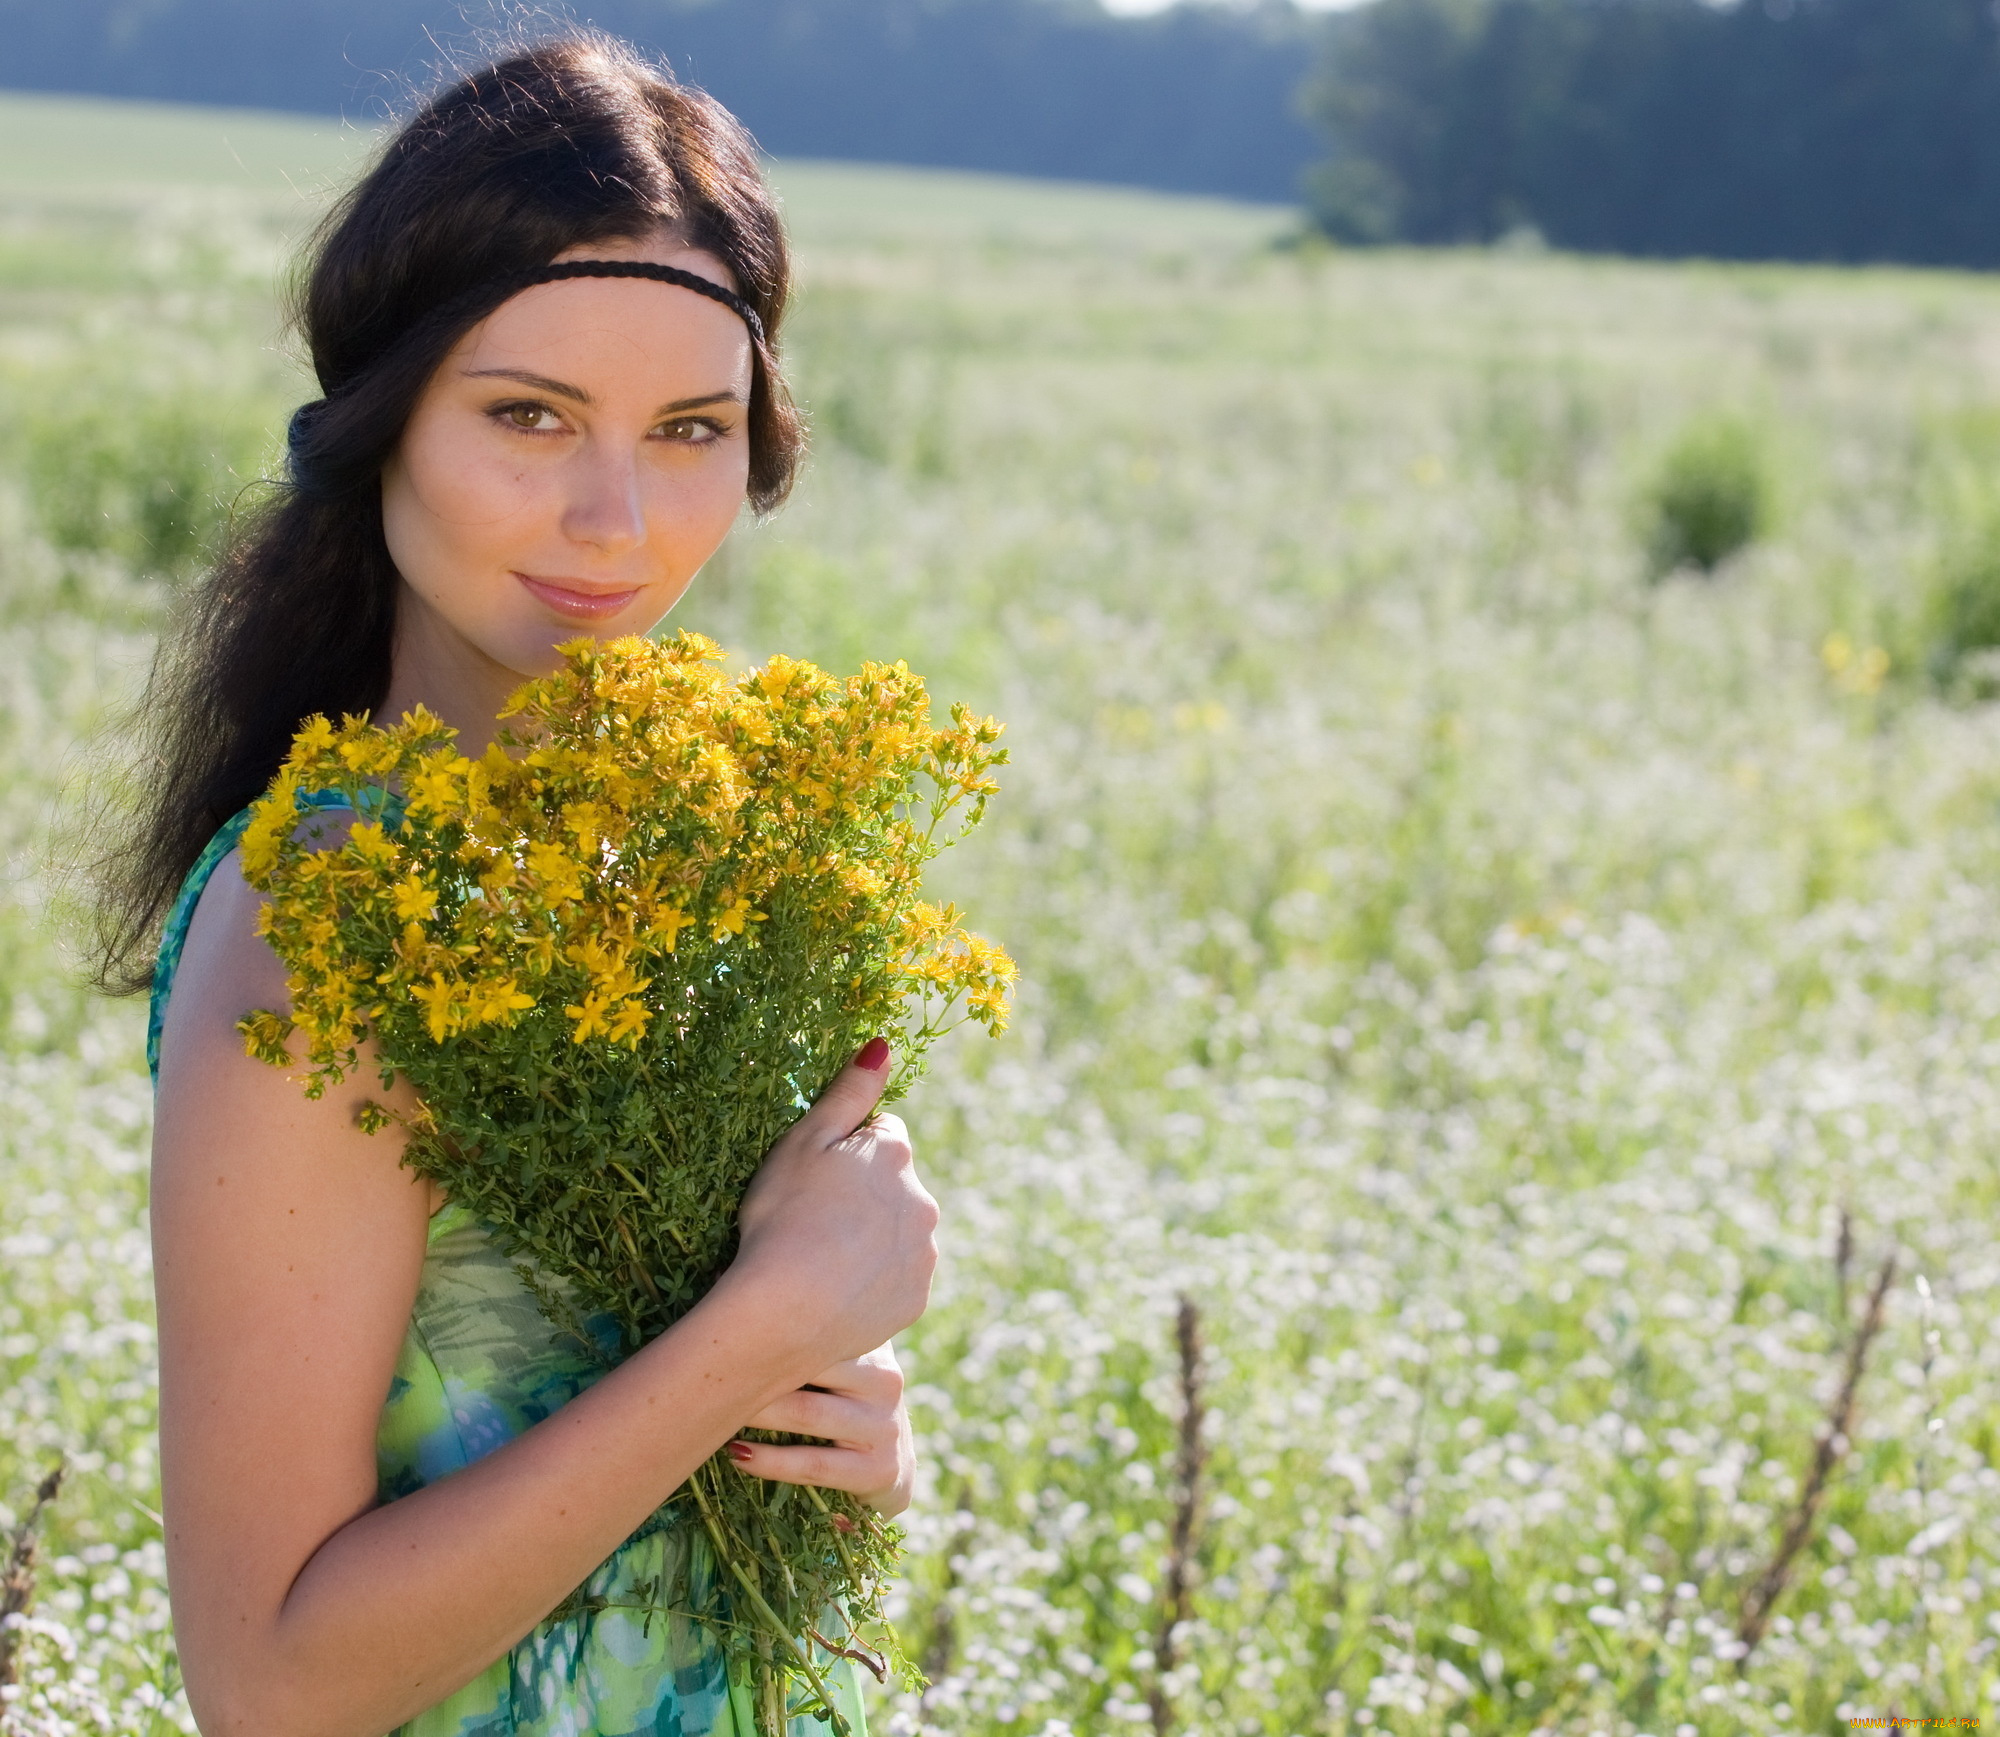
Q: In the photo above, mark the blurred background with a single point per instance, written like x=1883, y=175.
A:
x=1772, y=129
x=1483, y=519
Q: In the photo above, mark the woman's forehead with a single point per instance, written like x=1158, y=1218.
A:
x=628, y=330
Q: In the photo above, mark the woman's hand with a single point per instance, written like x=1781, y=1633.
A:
x=858, y=1407
x=838, y=1237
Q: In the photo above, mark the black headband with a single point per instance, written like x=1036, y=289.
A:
x=702, y=286
x=480, y=300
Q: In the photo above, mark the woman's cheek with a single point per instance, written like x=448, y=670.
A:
x=694, y=517
x=481, y=492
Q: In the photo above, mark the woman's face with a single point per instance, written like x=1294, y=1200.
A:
x=570, y=466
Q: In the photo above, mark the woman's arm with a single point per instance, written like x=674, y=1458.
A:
x=288, y=1250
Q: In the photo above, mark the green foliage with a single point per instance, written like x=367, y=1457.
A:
x=1352, y=199
x=1709, y=497
x=1964, y=615
x=1644, y=127
x=1956, y=624
x=147, y=480
x=1383, y=90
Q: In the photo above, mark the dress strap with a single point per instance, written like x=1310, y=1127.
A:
x=173, y=937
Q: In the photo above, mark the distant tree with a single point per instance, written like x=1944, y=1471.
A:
x=1804, y=129
x=1200, y=97
x=1391, y=94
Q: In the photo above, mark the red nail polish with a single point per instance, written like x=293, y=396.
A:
x=874, y=1054
x=739, y=1451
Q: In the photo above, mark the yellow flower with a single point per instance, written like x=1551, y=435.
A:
x=556, y=867
x=987, y=959
x=731, y=919
x=420, y=721
x=496, y=1002
x=541, y=953
x=264, y=1036
x=491, y=823
x=752, y=725
x=438, y=999
x=414, y=901
x=319, y=933
x=370, y=753
x=585, y=821
x=371, y=845
x=666, y=926
x=629, y=1023
x=596, y=955
x=776, y=677
x=589, y=1017
x=315, y=737
x=926, y=922
x=436, y=786
x=271, y=823
x=621, y=983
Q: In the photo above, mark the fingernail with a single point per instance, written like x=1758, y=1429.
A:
x=739, y=1451
x=874, y=1054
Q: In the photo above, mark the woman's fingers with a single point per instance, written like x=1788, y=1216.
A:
x=837, y=1232
x=852, y=1403
x=861, y=1471
x=852, y=1096
x=832, y=1415
x=857, y=1408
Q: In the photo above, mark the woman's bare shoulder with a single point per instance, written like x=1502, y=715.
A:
x=212, y=1094
x=223, y=948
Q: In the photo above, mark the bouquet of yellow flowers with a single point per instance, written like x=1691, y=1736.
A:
x=616, y=957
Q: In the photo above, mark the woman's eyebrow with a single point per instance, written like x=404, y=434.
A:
x=697, y=403
x=540, y=382
x=577, y=395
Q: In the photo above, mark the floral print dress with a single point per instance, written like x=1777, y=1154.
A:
x=480, y=1364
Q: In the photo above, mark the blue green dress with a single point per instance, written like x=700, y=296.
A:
x=480, y=1364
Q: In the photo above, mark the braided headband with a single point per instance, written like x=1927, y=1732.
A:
x=701, y=286
x=484, y=297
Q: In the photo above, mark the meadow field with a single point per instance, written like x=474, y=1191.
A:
x=1510, y=1032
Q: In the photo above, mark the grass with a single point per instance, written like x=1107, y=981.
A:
x=1520, y=1006
x=88, y=145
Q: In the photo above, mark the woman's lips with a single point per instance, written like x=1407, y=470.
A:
x=578, y=605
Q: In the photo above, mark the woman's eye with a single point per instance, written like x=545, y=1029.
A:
x=528, y=416
x=691, y=430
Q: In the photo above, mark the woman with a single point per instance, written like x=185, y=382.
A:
x=544, y=326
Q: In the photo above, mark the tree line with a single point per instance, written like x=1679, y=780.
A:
x=1848, y=130
x=1200, y=98
x=1843, y=130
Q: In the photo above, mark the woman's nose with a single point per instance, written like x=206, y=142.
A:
x=605, y=509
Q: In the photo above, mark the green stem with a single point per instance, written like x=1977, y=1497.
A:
x=839, y=1538
x=638, y=1266
x=680, y=1241
x=773, y=1623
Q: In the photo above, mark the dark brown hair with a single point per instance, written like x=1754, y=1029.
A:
x=570, y=143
